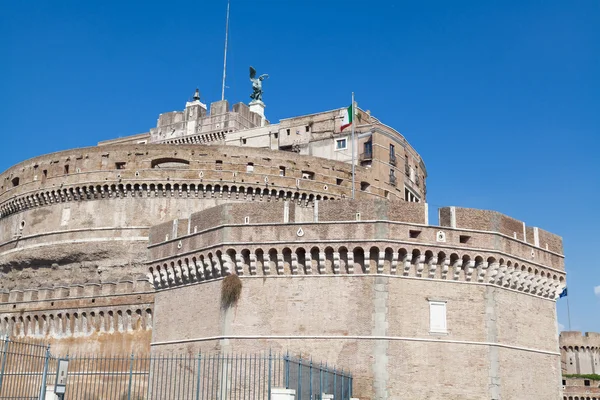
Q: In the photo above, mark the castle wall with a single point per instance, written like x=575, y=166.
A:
x=349, y=291
x=384, y=319
x=95, y=318
x=580, y=352
x=92, y=208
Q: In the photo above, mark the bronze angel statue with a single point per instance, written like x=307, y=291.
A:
x=256, y=84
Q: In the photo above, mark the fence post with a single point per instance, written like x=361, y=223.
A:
x=342, y=384
x=45, y=374
x=199, y=376
x=334, y=382
x=299, y=394
x=4, y=356
x=269, y=375
x=310, y=385
x=287, y=369
x=130, y=377
x=320, y=378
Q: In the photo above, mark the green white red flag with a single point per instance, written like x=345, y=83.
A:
x=347, y=118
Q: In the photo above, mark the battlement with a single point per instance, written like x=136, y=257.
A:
x=344, y=237
x=356, y=211
x=578, y=340
x=90, y=173
x=493, y=221
x=126, y=287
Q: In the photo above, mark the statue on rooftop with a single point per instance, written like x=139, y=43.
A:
x=256, y=85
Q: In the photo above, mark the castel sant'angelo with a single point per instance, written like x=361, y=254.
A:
x=123, y=247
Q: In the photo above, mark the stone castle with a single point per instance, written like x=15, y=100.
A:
x=123, y=246
x=580, y=358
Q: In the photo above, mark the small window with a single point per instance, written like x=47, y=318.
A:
x=392, y=151
x=586, y=382
x=464, y=238
x=44, y=175
x=414, y=234
x=437, y=317
x=276, y=135
x=250, y=167
x=340, y=144
x=364, y=186
x=219, y=165
x=564, y=382
x=281, y=171
x=243, y=141
x=120, y=165
x=66, y=169
x=308, y=175
x=307, y=128
x=288, y=132
x=339, y=181
x=15, y=182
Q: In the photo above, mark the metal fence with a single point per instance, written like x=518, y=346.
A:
x=24, y=367
x=27, y=369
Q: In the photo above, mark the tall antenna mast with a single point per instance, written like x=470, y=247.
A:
x=225, y=56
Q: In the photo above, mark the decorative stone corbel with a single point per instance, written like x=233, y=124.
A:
x=199, y=269
x=407, y=264
x=252, y=264
x=432, y=266
x=380, y=262
x=279, y=263
x=481, y=270
x=228, y=264
x=185, y=271
x=456, y=268
x=469, y=266
x=239, y=264
x=294, y=264
x=336, y=262
x=350, y=262
x=322, y=262
x=208, y=269
x=494, y=272
x=177, y=272
x=445, y=268
x=394, y=265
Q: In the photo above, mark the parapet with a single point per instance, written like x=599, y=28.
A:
x=579, y=339
x=126, y=287
x=290, y=212
x=493, y=221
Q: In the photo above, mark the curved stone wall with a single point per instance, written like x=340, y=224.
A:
x=92, y=208
x=353, y=281
x=108, y=317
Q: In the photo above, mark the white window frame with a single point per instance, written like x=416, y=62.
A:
x=438, y=327
x=345, y=140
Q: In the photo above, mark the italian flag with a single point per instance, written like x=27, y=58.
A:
x=347, y=118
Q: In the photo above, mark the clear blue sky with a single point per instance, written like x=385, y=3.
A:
x=502, y=99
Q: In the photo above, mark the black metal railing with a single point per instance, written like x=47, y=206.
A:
x=366, y=155
x=26, y=369
x=392, y=159
x=393, y=180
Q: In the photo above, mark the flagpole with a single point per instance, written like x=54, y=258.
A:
x=353, y=168
x=225, y=56
x=568, y=312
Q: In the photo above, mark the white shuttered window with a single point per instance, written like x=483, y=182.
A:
x=437, y=317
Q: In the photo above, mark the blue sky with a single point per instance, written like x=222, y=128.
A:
x=502, y=99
